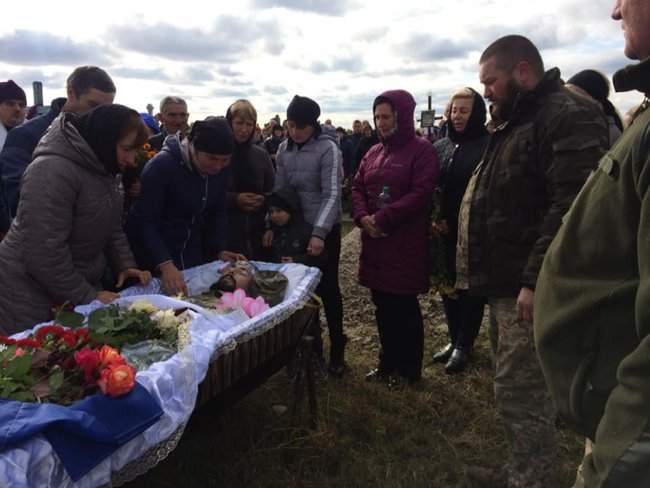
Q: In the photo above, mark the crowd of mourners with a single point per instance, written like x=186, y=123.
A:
x=539, y=204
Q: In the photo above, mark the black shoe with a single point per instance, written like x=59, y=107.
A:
x=457, y=362
x=443, y=355
x=337, y=366
x=378, y=375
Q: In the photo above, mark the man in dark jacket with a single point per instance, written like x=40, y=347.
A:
x=173, y=118
x=534, y=165
x=592, y=304
x=86, y=88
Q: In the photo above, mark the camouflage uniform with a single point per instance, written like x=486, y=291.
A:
x=521, y=398
x=533, y=167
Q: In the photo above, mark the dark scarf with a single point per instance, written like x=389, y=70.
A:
x=102, y=128
x=475, y=127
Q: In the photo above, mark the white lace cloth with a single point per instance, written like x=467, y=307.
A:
x=174, y=383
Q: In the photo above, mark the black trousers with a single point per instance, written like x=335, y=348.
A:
x=401, y=333
x=330, y=291
x=464, y=317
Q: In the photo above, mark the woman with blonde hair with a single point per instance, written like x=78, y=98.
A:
x=459, y=154
x=250, y=179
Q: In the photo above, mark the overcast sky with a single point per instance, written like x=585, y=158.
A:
x=342, y=53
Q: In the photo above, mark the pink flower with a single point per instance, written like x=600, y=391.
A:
x=19, y=352
x=232, y=301
x=254, y=306
x=116, y=380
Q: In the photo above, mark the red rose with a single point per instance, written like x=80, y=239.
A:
x=83, y=335
x=7, y=341
x=32, y=343
x=109, y=356
x=70, y=338
x=88, y=360
x=117, y=380
x=55, y=330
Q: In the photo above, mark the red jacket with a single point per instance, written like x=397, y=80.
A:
x=409, y=166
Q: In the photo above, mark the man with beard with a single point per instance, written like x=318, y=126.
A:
x=592, y=310
x=535, y=163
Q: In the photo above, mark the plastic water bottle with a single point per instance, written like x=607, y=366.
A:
x=384, y=198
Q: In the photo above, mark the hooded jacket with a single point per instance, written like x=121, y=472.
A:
x=592, y=306
x=180, y=214
x=315, y=170
x=409, y=167
x=68, y=220
x=251, y=171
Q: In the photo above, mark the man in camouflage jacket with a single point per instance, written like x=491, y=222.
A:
x=535, y=164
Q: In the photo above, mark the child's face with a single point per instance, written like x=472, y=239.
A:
x=279, y=217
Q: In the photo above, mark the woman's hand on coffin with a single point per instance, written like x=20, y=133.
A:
x=172, y=279
x=107, y=296
x=144, y=277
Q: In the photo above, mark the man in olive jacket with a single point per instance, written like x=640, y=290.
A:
x=535, y=164
x=592, y=305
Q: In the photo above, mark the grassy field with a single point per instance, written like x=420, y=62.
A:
x=368, y=435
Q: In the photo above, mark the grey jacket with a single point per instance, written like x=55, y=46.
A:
x=315, y=171
x=68, y=220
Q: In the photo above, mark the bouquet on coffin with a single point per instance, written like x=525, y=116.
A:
x=77, y=356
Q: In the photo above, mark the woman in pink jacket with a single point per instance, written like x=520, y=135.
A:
x=393, y=264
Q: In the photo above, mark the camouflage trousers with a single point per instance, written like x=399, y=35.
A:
x=522, y=399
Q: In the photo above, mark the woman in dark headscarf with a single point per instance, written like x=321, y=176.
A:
x=459, y=153
x=251, y=178
x=595, y=85
x=69, y=218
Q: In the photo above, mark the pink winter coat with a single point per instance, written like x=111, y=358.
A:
x=408, y=165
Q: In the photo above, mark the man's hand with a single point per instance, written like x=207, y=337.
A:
x=231, y=256
x=249, y=202
x=315, y=247
x=144, y=277
x=173, y=282
x=525, y=304
x=267, y=239
x=107, y=296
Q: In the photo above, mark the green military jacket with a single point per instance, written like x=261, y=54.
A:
x=592, y=307
x=533, y=167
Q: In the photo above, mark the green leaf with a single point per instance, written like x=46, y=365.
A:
x=18, y=367
x=69, y=319
x=56, y=381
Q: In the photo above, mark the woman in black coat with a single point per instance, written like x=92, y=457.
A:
x=459, y=154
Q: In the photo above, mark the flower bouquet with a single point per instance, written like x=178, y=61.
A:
x=238, y=299
x=60, y=365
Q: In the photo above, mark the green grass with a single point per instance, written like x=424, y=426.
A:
x=368, y=435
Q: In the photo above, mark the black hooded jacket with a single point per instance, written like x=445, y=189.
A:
x=459, y=154
x=252, y=172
